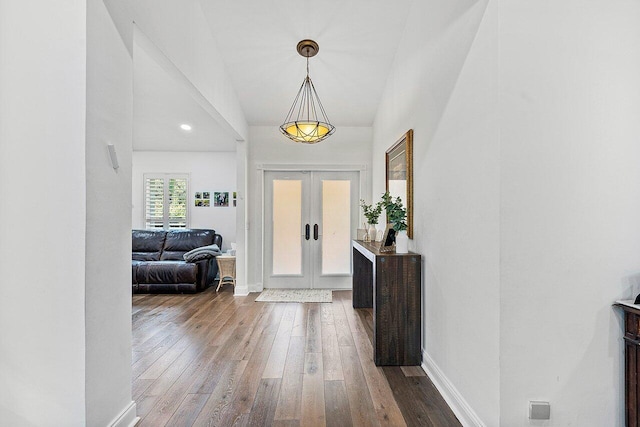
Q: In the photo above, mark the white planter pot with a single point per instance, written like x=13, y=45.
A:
x=402, y=242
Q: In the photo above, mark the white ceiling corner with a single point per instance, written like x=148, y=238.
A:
x=358, y=40
x=162, y=103
x=257, y=41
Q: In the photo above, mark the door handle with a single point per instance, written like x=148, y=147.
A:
x=306, y=231
x=315, y=231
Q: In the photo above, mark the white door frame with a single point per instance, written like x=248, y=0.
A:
x=270, y=167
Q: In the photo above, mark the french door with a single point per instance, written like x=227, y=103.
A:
x=310, y=218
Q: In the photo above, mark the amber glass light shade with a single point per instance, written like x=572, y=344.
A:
x=307, y=132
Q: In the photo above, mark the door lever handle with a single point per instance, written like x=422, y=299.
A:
x=315, y=231
x=306, y=231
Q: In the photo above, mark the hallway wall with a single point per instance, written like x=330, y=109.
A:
x=526, y=199
x=65, y=321
x=445, y=89
x=570, y=205
x=108, y=239
x=42, y=183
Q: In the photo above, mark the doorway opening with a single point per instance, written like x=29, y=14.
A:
x=310, y=218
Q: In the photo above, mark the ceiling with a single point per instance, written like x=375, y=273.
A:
x=257, y=41
x=358, y=40
x=161, y=104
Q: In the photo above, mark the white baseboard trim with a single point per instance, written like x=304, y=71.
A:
x=241, y=291
x=451, y=395
x=244, y=290
x=127, y=417
x=256, y=287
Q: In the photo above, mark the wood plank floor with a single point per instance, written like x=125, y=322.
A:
x=212, y=359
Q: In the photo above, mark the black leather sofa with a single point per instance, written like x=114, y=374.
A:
x=158, y=265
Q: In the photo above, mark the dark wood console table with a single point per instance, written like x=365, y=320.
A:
x=631, y=361
x=390, y=283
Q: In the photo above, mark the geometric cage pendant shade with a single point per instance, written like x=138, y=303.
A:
x=307, y=122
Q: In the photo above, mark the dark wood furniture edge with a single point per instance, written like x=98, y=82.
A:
x=371, y=250
x=631, y=339
x=628, y=305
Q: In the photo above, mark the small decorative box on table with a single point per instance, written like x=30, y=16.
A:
x=390, y=283
x=226, y=270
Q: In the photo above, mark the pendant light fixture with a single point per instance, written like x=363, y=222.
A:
x=307, y=121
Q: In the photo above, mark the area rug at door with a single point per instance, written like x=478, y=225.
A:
x=295, y=295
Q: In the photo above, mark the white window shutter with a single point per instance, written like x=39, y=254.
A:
x=165, y=201
x=154, y=202
x=177, y=203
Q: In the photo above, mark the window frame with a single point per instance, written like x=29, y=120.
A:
x=166, y=177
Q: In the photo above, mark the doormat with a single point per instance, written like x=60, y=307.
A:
x=295, y=295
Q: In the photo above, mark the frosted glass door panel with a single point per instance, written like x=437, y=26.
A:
x=287, y=227
x=336, y=227
x=334, y=198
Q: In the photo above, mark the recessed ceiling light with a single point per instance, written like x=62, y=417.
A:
x=185, y=126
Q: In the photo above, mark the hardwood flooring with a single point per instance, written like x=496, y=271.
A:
x=212, y=359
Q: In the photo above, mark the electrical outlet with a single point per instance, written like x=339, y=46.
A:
x=539, y=410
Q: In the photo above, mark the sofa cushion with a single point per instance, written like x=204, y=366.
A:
x=166, y=272
x=178, y=242
x=147, y=245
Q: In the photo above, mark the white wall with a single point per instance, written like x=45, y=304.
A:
x=209, y=171
x=108, y=236
x=267, y=146
x=241, y=218
x=527, y=201
x=65, y=80
x=445, y=89
x=570, y=205
x=42, y=213
x=64, y=271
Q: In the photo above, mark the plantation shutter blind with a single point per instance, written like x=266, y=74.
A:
x=165, y=201
x=177, y=203
x=154, y=202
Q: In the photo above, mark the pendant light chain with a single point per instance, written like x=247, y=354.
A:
x=309, y=104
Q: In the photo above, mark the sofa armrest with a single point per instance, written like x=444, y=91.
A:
x=217, y=240
x=207, y=272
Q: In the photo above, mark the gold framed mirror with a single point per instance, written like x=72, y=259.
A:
x=399, y=174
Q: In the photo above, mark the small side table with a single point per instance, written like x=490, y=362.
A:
x=226, y=270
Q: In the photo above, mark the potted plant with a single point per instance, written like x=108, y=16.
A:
x=397, y=217
x=372, y=213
